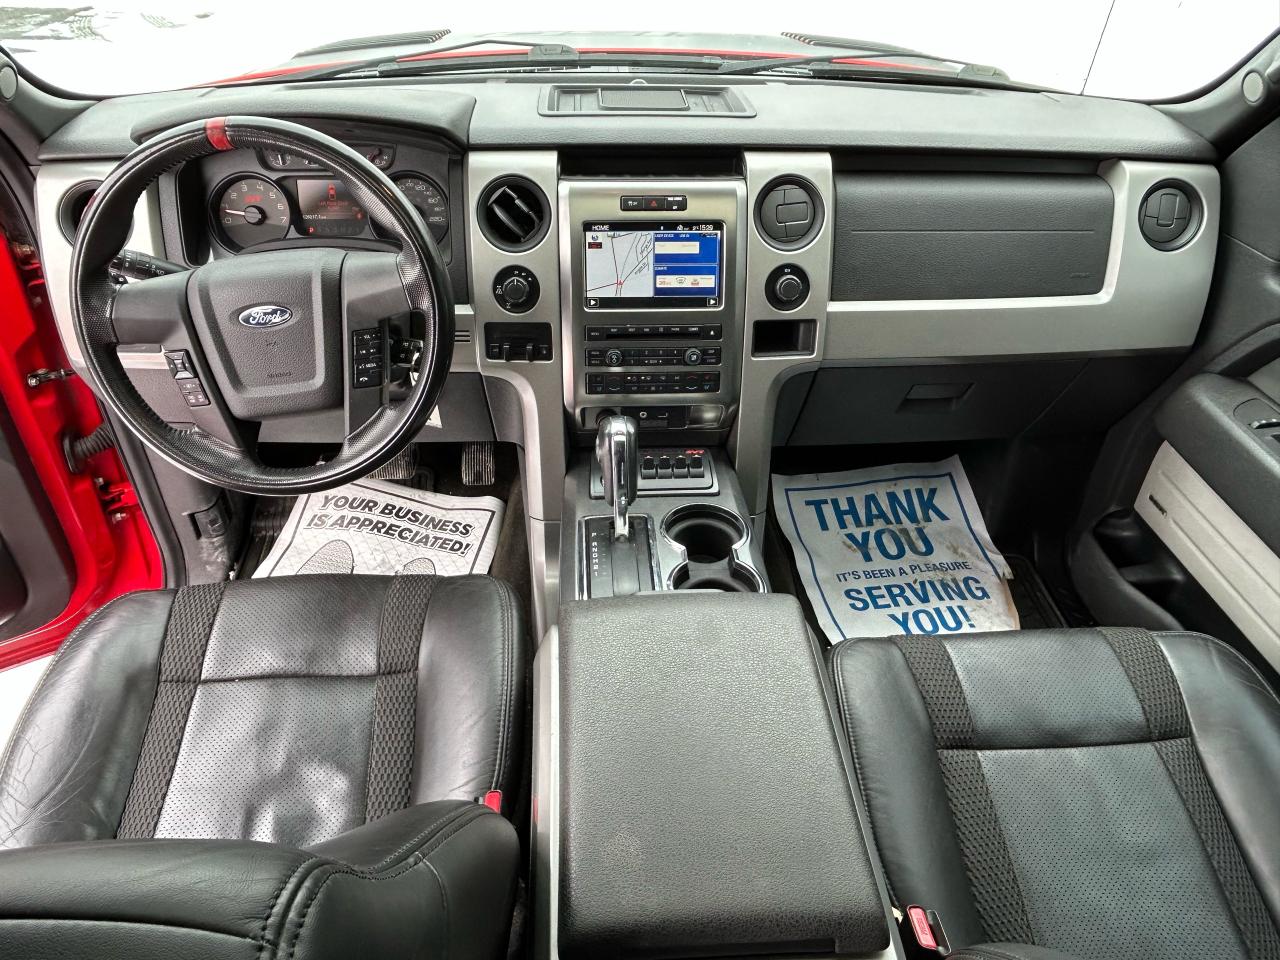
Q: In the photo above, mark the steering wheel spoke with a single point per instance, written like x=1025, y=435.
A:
x=152, y=312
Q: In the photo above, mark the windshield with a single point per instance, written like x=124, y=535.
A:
x=1139, y=49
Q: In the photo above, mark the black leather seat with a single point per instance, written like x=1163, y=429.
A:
x=269, y=768
x=1107, y=794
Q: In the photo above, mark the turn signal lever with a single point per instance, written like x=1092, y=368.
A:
x=618, y=451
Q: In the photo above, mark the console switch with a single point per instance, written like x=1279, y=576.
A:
x=524, y=342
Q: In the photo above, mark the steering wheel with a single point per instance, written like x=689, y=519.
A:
x=270, y=334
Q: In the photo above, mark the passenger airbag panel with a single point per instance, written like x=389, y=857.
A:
x=962, y=236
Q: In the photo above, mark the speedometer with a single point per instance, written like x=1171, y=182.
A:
x=430, y=201
x=251, y=210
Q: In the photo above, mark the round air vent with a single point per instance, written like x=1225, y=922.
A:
x=72, y=205
x=1170, y=214
x=514, y=214
x=789, y=213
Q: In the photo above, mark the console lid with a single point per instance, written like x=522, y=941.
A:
x=705, y=809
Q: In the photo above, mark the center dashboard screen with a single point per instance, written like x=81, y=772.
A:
x=644, y=265
x=327, y=209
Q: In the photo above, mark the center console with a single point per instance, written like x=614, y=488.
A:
x=692, y=796
x=652, y=306
x=652, y=300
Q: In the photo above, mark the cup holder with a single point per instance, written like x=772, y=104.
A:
x=708, y=535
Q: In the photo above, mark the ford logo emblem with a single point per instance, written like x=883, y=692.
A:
x=266, y=315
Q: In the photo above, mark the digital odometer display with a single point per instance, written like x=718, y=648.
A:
x=327, y=209
x=642, y=265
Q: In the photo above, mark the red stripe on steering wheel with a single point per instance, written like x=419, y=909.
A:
x=216, y=131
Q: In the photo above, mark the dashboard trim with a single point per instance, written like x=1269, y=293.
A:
x=1150, y=299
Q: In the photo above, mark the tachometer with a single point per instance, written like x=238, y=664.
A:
x=430, y=201
x=251, y=210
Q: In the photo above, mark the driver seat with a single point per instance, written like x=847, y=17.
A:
x=270, y=768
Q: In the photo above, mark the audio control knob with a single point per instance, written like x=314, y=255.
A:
x=692, y=357
x=613, y=358
x=787, y=287
x=515, y=289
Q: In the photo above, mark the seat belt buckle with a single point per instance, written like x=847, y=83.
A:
x=922, y=934
x=493, y=800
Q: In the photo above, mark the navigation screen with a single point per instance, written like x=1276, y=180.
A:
x=653, y=265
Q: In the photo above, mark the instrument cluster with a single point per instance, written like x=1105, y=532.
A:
x=301, y=200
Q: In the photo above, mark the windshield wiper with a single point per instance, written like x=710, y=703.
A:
x=536, y=55
x=871, y=62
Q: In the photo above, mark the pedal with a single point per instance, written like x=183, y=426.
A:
x=402, y=467
x=477, y=464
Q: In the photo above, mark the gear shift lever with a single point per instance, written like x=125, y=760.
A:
x=618, y=451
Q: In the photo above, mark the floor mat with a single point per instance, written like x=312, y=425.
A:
x=379, y=527
x=1036, y=608
x=897, y=549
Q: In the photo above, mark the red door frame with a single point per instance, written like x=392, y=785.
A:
x=111, y=543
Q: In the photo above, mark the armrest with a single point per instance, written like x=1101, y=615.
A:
x=386, y=889
x=705, y=805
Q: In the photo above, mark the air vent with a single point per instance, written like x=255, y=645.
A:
x=72, y=206
x=611, y=100
x=461, y=336
x=514, y=214
x=1170, y=214
x=789, y=212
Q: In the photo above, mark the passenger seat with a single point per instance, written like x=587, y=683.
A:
x=1108, y=794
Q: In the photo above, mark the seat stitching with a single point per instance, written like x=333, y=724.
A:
x=121, y=921
x=253, y=677
x=275, y=899
x=373, y=722
x=499, y=772
x=444, y=904
x=423, y=835
x=843, y=701
x=345, y=869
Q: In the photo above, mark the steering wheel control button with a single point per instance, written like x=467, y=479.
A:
x=786, y=287
x=516, y=289
x=180, y=366
x=193, y=393
x=521, y=342
x=367, y=357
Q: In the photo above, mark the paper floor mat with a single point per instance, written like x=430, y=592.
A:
x=894, y=550
x=372, y=526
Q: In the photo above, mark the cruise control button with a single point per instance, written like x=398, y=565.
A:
x=179, y=362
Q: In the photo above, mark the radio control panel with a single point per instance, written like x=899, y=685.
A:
x=652, y=308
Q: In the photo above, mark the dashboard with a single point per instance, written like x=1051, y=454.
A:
x=934, y=266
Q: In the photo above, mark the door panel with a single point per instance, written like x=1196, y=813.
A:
x=1226, y=557
x=97, y=543
x=36, y=568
